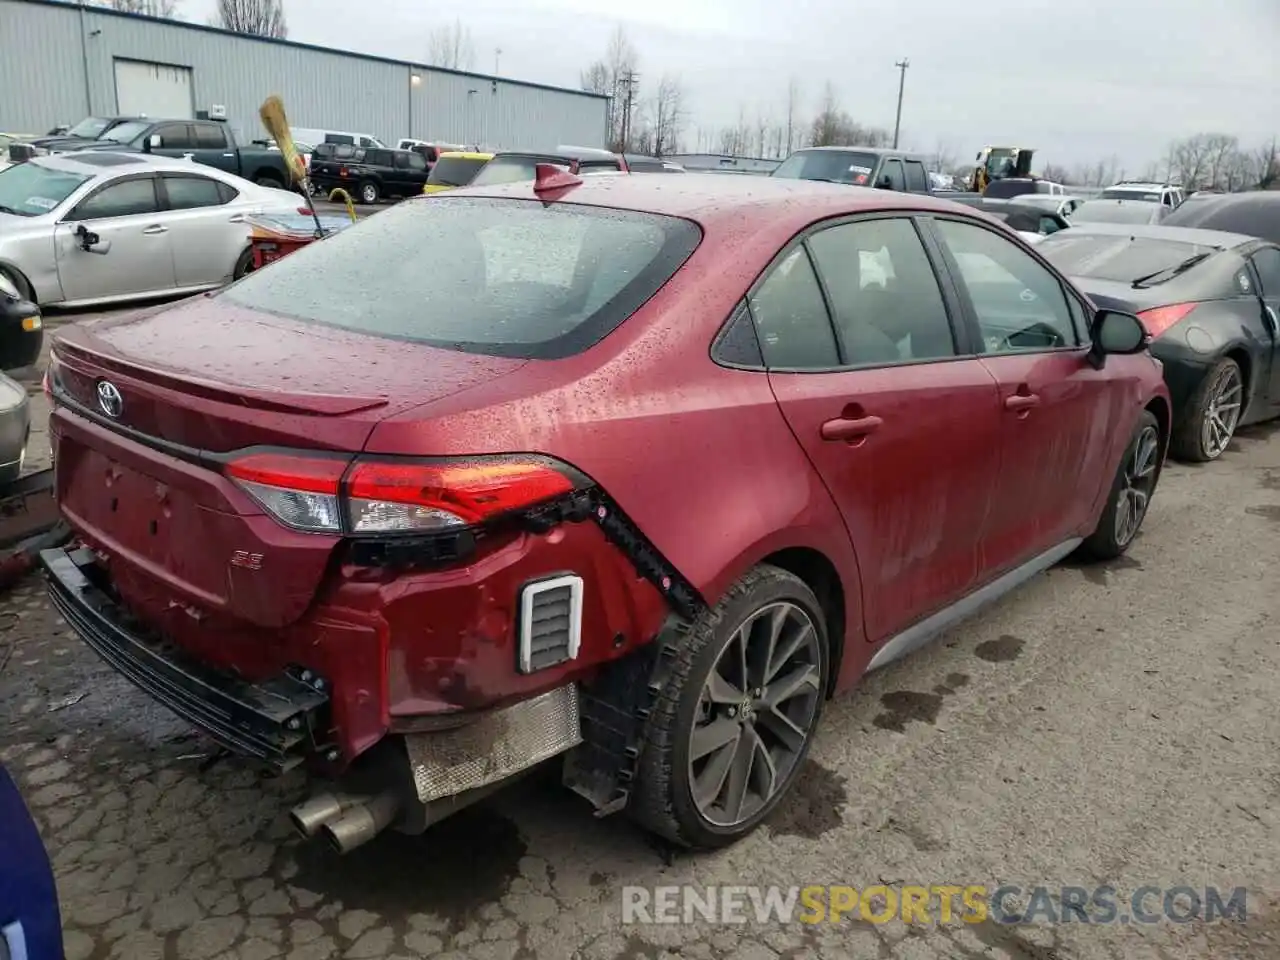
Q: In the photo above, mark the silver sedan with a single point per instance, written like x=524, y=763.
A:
x=101, y=227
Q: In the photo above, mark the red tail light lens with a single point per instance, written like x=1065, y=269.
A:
x=310, y=493
x=1160, y=319
x=448, y=494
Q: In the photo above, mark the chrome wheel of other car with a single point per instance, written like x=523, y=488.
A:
x=369, y=192
x=755, y=714
x=1222, y=410
x=1137, y=485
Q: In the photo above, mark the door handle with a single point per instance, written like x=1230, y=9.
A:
x=1022, y=401
x=228, y=154
x=155, y=228
x=849, y=428
x=236, y=218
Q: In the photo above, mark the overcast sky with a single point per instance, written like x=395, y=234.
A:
x=1078, y=80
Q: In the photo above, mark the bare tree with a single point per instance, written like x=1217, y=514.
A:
x=261, y=18
x=793, y=115
x=167, y=9
x=1191, y=161
x=614, y=75
x=1056, y=174
x=944, y=158
x=1266, y=163
x=451, y=47
x=826, y=125
x=669, y=115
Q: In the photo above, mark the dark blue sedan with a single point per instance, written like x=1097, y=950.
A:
x=30, y=925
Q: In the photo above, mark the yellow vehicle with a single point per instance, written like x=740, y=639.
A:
x=453, y=169
x=999, y=163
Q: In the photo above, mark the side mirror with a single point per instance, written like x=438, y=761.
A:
x=21, y=152
x=154, y=142
x=1118, y=333
x=884, y=183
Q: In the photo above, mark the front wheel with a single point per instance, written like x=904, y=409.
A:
x=244, y=265
x=733, y=723
x=1131, y=492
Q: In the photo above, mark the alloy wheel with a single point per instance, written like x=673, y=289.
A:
x=1137, y=485
x=755, y=714
x=369, y=194
x=1222, y=411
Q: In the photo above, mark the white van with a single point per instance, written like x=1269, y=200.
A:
x=316, y=136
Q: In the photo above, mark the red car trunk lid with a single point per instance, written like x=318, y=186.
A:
x=141, y=481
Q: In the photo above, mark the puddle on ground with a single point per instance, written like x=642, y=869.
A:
x=904, y=706
x=453, y=870
x=1001, y=650
x=1269, y=512
x=813, y=806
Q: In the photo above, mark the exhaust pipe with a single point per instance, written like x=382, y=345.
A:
x=361, y=823
x=308, y=817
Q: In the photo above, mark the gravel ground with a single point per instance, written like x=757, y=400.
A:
x=1108, y=725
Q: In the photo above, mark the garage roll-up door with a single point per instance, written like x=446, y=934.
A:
x=153, y=90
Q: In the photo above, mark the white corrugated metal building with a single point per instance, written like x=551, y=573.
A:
x=62, y=61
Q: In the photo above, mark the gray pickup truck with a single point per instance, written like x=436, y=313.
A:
x=859, y=167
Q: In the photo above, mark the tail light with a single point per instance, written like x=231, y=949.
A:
x=1160, y=319
x=343, y=173
x=371, y=497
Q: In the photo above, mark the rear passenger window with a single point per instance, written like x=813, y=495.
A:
x=917, y=178
x=791, y=317
x=893, y=173
x=884, y=293
x=1267, y=262
x=210, y=136
x=402, y=161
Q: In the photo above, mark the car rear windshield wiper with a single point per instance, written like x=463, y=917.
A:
x=1172, y=272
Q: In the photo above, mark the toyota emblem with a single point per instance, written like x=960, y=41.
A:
x=109, y=399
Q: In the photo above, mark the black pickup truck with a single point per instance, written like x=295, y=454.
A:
x=367, y=173
x=207, y=141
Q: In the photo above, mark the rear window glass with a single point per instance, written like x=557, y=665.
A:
x=1142, y=196
x=454, y=171
x=1104, y=211
x=513, y=278
x=508, y=170
x=840, y=166
x=1003, y=189
x=1115, y=256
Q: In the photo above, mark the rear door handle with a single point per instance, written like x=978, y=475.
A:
x=845, y=428
x=236, y=218
x=1022, y=401
x=156, y=228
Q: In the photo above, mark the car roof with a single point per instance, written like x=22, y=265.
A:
x=1158, y=231
x=94, y=161
x=725, y=201
x=853, y=148
x=564, y=153
x=1142, y=186
x=465, y=155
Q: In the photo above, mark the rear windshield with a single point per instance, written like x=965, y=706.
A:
x=30, y=190
x=509, y=170
x=1128, y=193
x=512, y=278
x=1003, y=189
x=840, y=166
x=1102, y=211
x=1115, y=256
x=454, y=171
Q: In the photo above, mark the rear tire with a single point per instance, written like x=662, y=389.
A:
x=244, y=265
x=1210, y=420
x=267, y=180
x=1131, y=492
x=703, y=779
x=369, y=193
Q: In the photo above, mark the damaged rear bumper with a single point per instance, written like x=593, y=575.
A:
x=278, y=722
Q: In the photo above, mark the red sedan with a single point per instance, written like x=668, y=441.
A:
x=632, y=472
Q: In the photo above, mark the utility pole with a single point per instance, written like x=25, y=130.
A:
x=902, y=82
x=630, y=78
x=497, y=57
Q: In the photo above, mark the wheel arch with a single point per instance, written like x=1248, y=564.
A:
x=821, y=576
x=1243, y=358
x=1159, y=408
x=25, y=286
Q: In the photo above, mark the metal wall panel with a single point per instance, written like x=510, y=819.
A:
x=42, y=83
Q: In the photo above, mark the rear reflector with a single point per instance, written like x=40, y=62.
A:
x=1160, y=319
x=321, y=495
x=550, y=622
